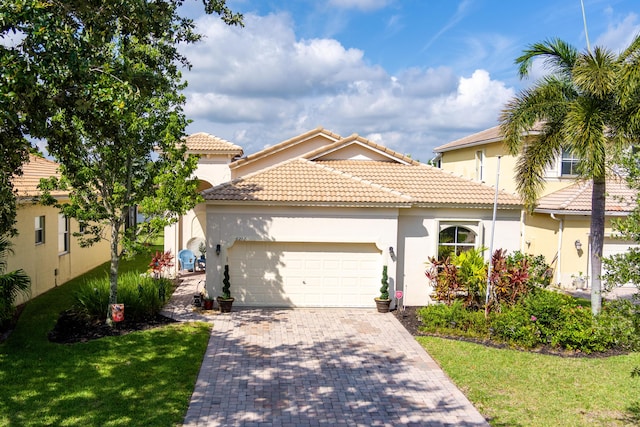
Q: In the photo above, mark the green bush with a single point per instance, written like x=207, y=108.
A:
x=142, y=296
x=454, y=319
x=516, y=326
x=619, y=324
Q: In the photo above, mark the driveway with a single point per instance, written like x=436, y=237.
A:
x=307, y=367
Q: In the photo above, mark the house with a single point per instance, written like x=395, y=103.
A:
x=559, y=226
x=215, y=154
x=45, y=248
x=311, y=221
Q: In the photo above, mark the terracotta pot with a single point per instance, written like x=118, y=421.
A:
x=225, y=304
x=382, y=305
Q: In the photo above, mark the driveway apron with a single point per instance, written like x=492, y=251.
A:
x=307, y=367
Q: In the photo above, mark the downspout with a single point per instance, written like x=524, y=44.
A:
x=560, y=229
x=523, y=237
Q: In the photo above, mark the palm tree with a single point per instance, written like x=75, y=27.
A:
x=588, y=104
x=12, y=284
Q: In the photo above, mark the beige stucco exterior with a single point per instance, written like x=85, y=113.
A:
x=553, y=235
x=43, y=262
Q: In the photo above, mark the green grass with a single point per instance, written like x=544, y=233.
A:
x=143, y=378
x=515, y=388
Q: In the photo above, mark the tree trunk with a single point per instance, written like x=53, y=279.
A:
x=113, y=271
x=597, y=242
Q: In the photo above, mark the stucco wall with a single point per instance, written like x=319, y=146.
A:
x=228, y=224
x=42, y=262
x=418, y=241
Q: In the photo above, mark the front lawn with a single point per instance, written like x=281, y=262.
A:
x=517, y=388
x=140, y=379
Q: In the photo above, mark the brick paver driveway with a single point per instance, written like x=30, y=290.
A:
x=301, y=367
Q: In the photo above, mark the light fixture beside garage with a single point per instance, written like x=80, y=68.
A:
x=218, y=249
x=392, y=254
x=578, y=245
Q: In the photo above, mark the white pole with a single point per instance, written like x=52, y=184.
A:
x=493, y=232
x=586, y=33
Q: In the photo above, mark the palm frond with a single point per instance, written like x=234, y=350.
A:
x=596, y=74
x=558, y=56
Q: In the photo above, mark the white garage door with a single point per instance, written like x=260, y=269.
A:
x=305, y=274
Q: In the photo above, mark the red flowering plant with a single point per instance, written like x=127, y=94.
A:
x=159, y=262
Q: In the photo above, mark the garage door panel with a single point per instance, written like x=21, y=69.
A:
x=304, y=274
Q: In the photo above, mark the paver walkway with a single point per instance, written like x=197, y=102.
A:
x=307, y=367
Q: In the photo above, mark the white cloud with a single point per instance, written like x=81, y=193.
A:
x=619, y=34
x=259, y=85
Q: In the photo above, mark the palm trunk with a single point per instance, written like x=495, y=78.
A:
x=597, y=242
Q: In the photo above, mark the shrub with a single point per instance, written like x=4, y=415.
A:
x=454, y=319
x=540, y=273
x=516, y=326
x=142, y=296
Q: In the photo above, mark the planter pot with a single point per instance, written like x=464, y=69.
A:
x=208, y=304
x=382, y=305
x=225, y=304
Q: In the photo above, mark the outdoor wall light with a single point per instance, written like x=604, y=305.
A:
x=391, y=252
x=218, y=249
x=578, y=245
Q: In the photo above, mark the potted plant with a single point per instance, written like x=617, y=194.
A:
x=207, y=301
x=203, y=250
x=383, y=301
x=225, y=301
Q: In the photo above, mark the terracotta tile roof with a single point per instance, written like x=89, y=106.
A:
x=425, y=184
x=202, y=142
x=326, y=150
x=480, y=138
x=354, y=182
x=303, y=181
x=37, y=167
x=285, y=144
x=576, y=199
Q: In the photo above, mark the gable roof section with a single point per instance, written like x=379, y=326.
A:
x=576, y=199
x=356, y=183
x=300, y=181
x=204, y=143
x=330, y=152
x=486, y=136
x=33, y=170
x=288, y=144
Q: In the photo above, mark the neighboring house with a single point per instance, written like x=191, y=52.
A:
x=214, y=154
x=45, y=248
x=311, y=221
x=559, y=226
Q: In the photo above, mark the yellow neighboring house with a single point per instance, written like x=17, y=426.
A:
x=45, y=248
x=559, y=226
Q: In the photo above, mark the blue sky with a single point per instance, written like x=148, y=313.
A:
x=409, y=74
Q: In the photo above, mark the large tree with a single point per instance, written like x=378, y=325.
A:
x=587, y=104
x=100, y=82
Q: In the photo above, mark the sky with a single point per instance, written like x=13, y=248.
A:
x=408, y=74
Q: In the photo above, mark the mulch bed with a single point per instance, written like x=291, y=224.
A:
x=72, y=327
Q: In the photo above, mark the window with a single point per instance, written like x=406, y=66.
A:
x=63, y=234
x=39, y=227
x=479, y=165
x=569, y=163
x=454, y=240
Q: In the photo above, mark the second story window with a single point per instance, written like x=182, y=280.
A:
x=569, y=164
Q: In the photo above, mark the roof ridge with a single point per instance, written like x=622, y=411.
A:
x=283, y=144
x=582, y=186
x=359, y=179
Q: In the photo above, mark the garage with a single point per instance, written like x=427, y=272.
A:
x=278, y=274
x=614, y=246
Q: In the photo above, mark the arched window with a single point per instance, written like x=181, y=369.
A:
x=454, y=240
